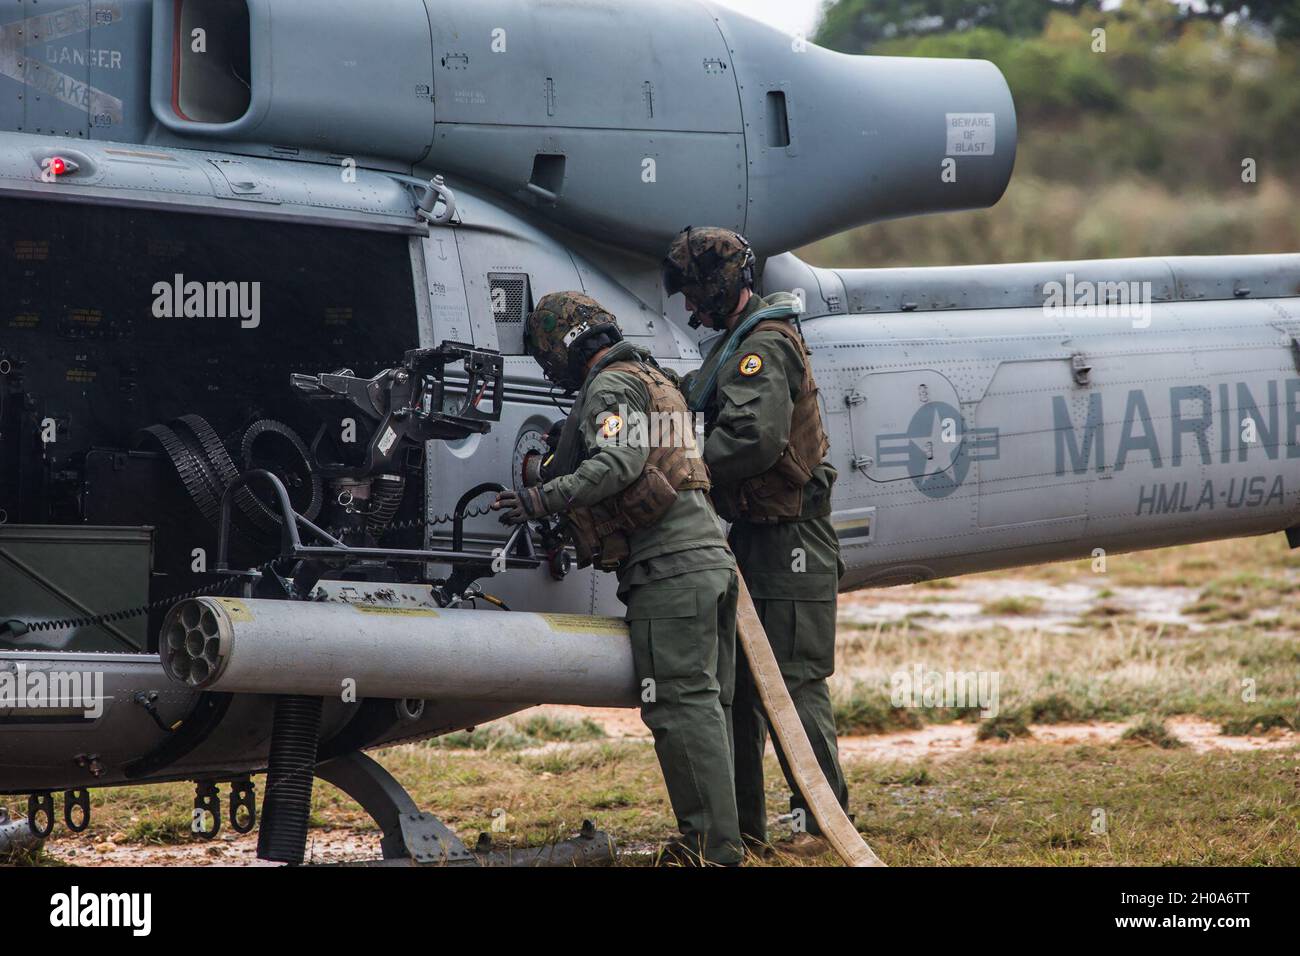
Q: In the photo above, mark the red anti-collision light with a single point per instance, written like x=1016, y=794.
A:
x=58, y=166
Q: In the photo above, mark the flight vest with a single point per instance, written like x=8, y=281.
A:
x=777, y=494
x=675, y=463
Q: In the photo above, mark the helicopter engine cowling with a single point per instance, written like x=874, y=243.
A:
x=708, y=118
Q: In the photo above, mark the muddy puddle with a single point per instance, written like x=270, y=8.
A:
x=1016, y=604
x=228, y=849
x=940, y=740
x=946, y=740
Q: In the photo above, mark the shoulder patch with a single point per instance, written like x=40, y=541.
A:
x=611, y=425
x=751, y=364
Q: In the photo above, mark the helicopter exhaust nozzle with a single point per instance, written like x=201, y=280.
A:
x=323, y=649
x=835, y=141
x=890, y=137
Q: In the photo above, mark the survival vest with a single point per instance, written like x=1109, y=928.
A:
x=777, y=494
x=675, y=463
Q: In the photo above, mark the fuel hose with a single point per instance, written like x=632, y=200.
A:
x=834, y=822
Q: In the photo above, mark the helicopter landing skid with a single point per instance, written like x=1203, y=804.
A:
x=412, y=837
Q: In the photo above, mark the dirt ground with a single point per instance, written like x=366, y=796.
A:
x=335, y=845
x=1165, y=691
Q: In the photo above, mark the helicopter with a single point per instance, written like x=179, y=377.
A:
x=264, y=272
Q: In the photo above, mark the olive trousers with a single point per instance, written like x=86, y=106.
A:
x=684, y=650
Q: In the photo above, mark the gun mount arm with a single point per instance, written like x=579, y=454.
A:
x=410, y=403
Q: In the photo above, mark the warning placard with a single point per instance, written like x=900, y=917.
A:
x=971, y=134
x=402, y=611
x=585, y=624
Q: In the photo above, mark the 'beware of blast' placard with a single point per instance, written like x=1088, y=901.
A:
x=971, y=134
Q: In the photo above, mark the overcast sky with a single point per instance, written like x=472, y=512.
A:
x=792, y=16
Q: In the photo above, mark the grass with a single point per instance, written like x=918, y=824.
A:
x=1263, y=558
x=152, y=831
x=1111, y=664
x=1037, y=805
x=1052, y=709
x=1124, y=216
x=1013, y=606
x=1003, y=727
x=1151, y=730
x=515, y=735
x=1118, y=671
x=1031, y=804
x=1261, y=724
x=867, y=710
x=1028, y=804
x=1015, y=800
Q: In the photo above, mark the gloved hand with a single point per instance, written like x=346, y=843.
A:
x=545, y=471
x=519, y=507
x=553, y=436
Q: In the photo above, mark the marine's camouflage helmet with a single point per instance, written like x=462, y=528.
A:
x=711, y=266
x=557, y=327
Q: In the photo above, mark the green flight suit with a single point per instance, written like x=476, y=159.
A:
x=792, y=567
x=680, y=587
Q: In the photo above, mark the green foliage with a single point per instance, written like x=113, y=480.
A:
x=1003, y=727
x=521, y=734
x=543, y=727
x=161, y=831
x=1134, y=151
x=852, y=25
x=855, y=26
x=867, y=710
x=1012, y=606
x=1152, y=730
x=1053, y=709
x=1259, y=724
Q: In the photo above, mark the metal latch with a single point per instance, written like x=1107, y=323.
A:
x=243, y=182
x=862, y=463
x=1080, y=367
x=854, y=397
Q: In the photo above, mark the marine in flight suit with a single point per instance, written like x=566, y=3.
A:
x=640, y=507
x=766, y=450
